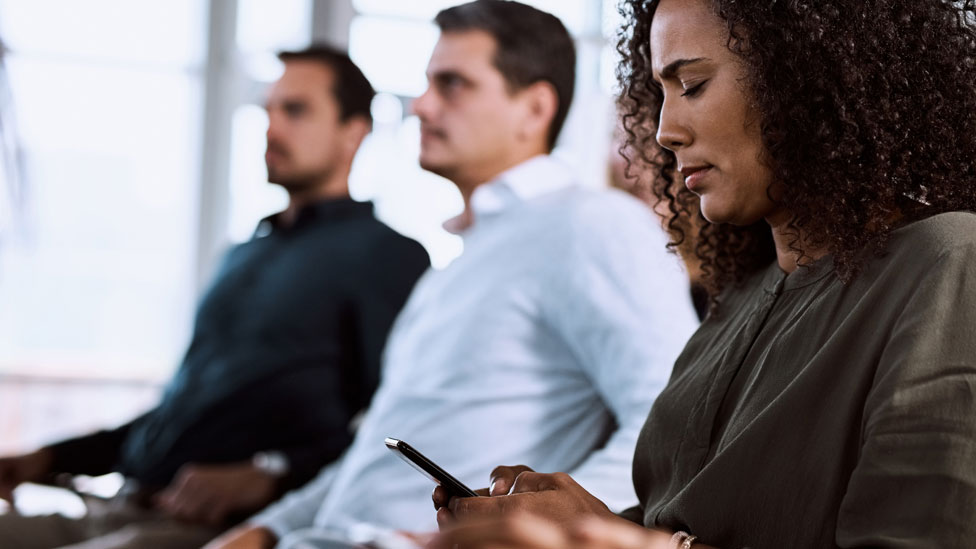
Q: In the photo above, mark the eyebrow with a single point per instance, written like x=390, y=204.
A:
x=445, y=74
x=673, y=67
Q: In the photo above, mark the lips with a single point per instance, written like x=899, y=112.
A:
x=428, y=134
x=694, y=175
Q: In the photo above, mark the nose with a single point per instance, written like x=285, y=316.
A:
x=422, y=105
x=272, y=125
x=672, y=132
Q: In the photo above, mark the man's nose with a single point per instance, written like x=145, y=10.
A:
x=421, y=106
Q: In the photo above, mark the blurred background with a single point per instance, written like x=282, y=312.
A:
x=141, y=132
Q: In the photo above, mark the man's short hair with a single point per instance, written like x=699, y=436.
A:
x=532, y=46
x=352, y=90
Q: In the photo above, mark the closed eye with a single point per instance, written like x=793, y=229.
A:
x=694, y=90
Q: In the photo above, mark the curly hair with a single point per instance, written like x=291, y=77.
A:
x=867, y=114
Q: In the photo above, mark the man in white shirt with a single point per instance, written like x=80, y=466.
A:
x=547, y=341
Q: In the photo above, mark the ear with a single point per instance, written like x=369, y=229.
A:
x=354, y=131
x=541, y=103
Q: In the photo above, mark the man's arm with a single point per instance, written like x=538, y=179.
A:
x=93, y=454
x=622, y=304
x=393, y=270
x=298, y=508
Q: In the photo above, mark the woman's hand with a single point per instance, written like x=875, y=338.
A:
x=533, y=532
x=555, y=497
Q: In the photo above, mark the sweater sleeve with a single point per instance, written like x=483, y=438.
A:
x=377, y=306
x=93, y=454
x=915, y=484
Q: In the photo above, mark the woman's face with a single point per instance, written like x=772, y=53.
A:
x=708, y=119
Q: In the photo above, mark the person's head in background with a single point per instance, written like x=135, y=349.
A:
x=318, y=115
x=501, y=81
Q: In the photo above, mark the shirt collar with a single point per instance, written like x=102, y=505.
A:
x=535, y=177
x=318, y=212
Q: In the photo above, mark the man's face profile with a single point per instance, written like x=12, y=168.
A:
x=303, y=126
x=468, y=117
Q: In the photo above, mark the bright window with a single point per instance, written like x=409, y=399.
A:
x=107, y=96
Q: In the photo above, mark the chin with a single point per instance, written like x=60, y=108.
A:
x=715, y=214
x=433, y=166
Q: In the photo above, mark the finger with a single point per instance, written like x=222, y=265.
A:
x=502, y=478
x=462, y=508
x=440, y=497
x=445, y=518
x=214, y=515
x=164, y=499
x=7, y=489
x=183, y=502
x=194, y=510
x=530, y=481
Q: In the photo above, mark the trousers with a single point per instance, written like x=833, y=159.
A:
x=115, y=523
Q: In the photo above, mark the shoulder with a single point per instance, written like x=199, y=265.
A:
x=950, y=234
x=377, y=234
x=596, y=214
x=604, y=231
x=400, y=249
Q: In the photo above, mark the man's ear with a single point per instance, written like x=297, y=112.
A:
x=354, y=131
x=541, y=103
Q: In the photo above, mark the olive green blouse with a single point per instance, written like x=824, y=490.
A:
x=813, y=413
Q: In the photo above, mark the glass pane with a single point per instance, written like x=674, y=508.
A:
x=409, y=199
x=401, y=69
x=571, y=12
x=252, y=198
x=170, y=32
x=264, y=26
x=105, y=282
x=415, y=9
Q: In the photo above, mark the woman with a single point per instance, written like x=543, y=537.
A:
x=829, y=399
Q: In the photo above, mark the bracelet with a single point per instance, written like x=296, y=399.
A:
x=682, y=540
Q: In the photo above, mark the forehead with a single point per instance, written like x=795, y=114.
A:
x=686, y=29
x=463, y=51
x=303, y=78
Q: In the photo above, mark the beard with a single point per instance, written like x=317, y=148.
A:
x=283, y=172
x=295, y=180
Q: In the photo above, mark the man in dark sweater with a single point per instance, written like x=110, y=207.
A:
x=285, y=350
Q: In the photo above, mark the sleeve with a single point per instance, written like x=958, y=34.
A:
x=914, y=484
x=379, y=303
x=629, y=318
x=303, y=464
x=93, y=454
x=634, y=514
x=298, y=508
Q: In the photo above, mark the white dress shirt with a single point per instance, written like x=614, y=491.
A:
x=544, y=343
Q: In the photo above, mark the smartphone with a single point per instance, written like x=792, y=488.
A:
x=429, y=468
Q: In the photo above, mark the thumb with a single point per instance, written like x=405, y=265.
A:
x=7, y=492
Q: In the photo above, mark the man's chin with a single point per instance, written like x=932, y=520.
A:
x=291, y=183
x=434, y=166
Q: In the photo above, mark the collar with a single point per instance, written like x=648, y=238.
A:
x=331, y=209
x=533, y=178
